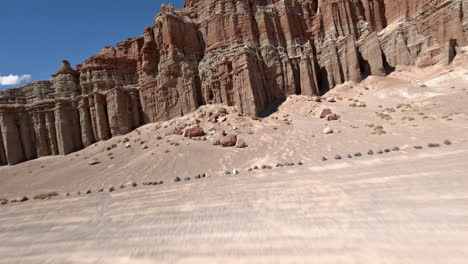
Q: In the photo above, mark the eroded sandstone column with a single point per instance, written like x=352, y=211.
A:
x=119, y=116
x=308, y=75
x=3, y=158
x=28, y=137
x=11, y=138
x=42, y=137
x=87, y=135
x=52, y=132
x=136, y=109
x=66, y=121
x=102, y=123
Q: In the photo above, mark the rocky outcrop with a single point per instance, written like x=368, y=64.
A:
x=57, y=117
x=243, y=53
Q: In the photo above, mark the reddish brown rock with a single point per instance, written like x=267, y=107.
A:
x=194, y=132
x=229, y=140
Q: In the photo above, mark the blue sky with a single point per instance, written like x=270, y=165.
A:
x=36, y=35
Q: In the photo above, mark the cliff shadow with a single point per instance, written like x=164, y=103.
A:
x=387, y=67
x=323, y=83
x=272, y=107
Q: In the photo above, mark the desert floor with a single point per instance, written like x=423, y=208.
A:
x=405, y=206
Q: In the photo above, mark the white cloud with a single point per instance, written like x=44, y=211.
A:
x=14, y=79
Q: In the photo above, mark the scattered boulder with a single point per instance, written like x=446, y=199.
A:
x=350, y=156
x=177, y=179
x=380, y=151
x=94, y=162
x=134, y=184
x=228, y=140
x=88, y=192
x=194, y=132
x=324, y=159
x=241, y=143
x=23, y=199
x=216, y=142
x=128, y=145
x=325, y=112
x=337, y=157
x=122, y=186
x=328, y=130
x=395, y=149
x=198, y=176
x=44, y=196
x=235, y=171
x=101, y=190
x=361, y=104
x=387, y=150
x=370, y=152
x=433, y=145
x=333, y=117
x=255, y=167
x=379, y=130
x=358, y=154
x=112, y=189
x=300, y=163
x=3, y=201
x=447, y=142
x=418, y=147
x=317, y=99
x=187, y=179
x=331, y=99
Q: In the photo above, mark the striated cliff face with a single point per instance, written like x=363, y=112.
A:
x=242, y=53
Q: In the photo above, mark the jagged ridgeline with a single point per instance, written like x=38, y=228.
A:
x=239, y=53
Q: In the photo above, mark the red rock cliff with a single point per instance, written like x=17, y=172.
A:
x=243, y=53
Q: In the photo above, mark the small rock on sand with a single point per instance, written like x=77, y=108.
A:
x=241, y=143
x=194, y=132
x=228, y=140
x=328, y=130
x=94, y=162
x=325, y=112
x=333, y=117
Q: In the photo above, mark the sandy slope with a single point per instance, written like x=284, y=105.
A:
x=409, y=207
x=404, y=207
